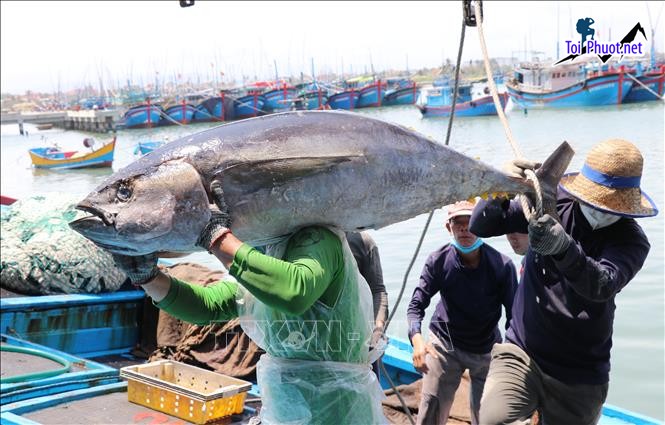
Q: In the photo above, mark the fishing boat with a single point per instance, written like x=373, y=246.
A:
x=472, y=100
x=653, y=78
x=181, y=113
x=55, y=158
x=312, y=96
x=347, y=99
x=211, y=109
x=94, y=330
x=536, y=85
x=41, y=127
x=147, y=146
x=400, y=92
x=280, y=99
x=371, y=94
x=250, y=105
x=145, y=115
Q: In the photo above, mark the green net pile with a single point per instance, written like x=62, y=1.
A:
x=41, y=255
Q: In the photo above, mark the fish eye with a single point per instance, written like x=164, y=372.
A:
x=124, y=193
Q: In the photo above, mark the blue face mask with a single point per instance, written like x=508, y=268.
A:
x=467, y=249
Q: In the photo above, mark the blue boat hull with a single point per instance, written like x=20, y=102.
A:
x=280, y=99
x=142, y=116
x=639, y=94
x=473, y=108
x=211, y=110
x=315, y=100
x=370, y=96
x=179, y=113
x=345, y=100
x=145, y=148
x=202, y=114
x=249, y=106
x=595, y=91
x=403, y=96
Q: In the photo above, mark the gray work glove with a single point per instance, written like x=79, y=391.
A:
x=220, y=219
x=139, y=269
x=377, y=344
x=516, y=167
x=547, y=236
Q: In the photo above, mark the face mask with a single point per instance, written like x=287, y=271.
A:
x=467, y=249
x=598, y=219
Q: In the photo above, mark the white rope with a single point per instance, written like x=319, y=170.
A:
x=646, y=87
x=168, y=118
x=526, y=207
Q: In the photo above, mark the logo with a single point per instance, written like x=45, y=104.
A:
x=588, y=44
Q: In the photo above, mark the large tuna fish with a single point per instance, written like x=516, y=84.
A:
x=285, y=171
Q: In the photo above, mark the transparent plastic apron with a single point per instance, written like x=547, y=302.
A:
x=317, y=366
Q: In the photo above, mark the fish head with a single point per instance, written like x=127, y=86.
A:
x=162, y=208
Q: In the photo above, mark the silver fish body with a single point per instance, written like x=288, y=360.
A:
x=282, y=172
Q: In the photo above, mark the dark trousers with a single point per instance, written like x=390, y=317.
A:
x=516, y=387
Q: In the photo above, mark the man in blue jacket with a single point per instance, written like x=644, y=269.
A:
x=557, y=355
x=473, y=281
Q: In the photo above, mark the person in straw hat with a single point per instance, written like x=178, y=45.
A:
x=556, y=358
x=473, y=281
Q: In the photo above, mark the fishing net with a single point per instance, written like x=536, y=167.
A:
x=41, y=255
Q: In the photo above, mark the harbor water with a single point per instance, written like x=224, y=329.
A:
x=637, y=375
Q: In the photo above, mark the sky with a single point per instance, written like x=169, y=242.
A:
x=68, y=44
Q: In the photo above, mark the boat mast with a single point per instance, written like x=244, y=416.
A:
x=653, y=34
x=557, y=31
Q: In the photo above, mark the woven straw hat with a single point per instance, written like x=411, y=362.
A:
x=610, y=180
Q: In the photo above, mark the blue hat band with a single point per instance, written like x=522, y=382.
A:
x=617, y=182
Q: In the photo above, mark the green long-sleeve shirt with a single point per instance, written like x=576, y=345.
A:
x=311, y=270
x=308, y=306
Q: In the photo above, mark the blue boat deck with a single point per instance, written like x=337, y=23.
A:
x=80, y=327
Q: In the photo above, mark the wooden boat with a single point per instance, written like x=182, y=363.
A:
x=93, y=326
x=147, y=146
x=280, y=99
x=536, y=85
x=344, y=100
x=401, y=94
x=653, y=78
x=142, y=116
x=472, y=100
x=54, y=158
x=44, y=126
x=250, y=105
x=371, y=94
x=181, y=113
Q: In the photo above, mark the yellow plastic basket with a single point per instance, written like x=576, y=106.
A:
x=187, y=392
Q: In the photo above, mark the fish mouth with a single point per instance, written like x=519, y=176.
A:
x=107, y=218
x=100, y=229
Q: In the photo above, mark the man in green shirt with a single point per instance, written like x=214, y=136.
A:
x=304, y=305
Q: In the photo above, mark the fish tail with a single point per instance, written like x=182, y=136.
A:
x=550, y=173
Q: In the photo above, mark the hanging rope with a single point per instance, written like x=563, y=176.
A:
x=646, y=87
x=526, y=206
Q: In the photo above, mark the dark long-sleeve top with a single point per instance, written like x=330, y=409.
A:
x=564, y=307
x=469, y=308
x=366, y=253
